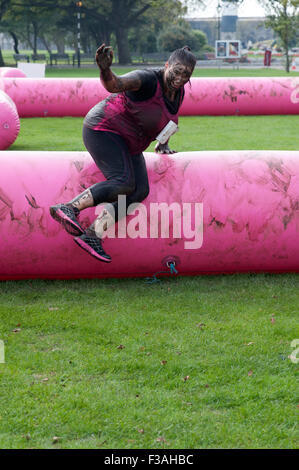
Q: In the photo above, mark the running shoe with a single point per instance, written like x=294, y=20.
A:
x=67, y=215
x=93, y=245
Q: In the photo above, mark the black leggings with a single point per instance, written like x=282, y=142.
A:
x=124, y=173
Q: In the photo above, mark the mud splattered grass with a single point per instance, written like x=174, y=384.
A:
x=185, y=363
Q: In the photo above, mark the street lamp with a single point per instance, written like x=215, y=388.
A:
x=79, y=5
x=218, y=8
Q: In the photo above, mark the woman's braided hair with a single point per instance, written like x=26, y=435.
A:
x=184, y=56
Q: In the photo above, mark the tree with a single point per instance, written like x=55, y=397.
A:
x=57, y=21
x=31, y=20
x=283, y=18
x=128, y=14
x=176, y=36
x=143, y=35
x=4, y=4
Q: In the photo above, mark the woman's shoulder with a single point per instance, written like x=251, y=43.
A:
x=149, y=79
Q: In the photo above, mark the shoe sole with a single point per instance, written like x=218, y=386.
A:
x=70, y=226
x=90, y=250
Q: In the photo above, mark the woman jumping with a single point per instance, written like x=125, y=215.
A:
x=116, y=131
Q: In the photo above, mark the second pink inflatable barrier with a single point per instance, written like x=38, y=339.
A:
x=206, y=96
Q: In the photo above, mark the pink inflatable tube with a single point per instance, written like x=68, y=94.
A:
x=9, y=121
x=11, y=72
x=244, y=208
x=207, y=96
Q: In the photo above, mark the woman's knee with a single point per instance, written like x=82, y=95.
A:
x=140, y=194
x=127, y=188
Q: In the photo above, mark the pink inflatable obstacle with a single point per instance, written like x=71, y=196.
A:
x=42, y=97
x=11, y=72
x=207, y=96
x=208, y=212
x=9, y=121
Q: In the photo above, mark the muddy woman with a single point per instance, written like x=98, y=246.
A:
x=116, y=131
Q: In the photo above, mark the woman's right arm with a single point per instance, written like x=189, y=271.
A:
x=113, y=83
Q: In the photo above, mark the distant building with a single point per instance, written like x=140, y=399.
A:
x=229, y=19
x=247, y=29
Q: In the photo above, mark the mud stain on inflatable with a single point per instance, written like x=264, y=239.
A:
x=283, y=85
x=217, y=223
x=32, y=201
x=198, y=98
x=6, y=205
x=281, y=177
x=79, y=165
x=233, y=93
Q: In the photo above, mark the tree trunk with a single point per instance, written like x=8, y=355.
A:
x=28, y=36
x=2, y=64
x=60, y=44
x=15, y=42
x=34, y=37
x=287, y=61
x=47, y=46
x=124, y=56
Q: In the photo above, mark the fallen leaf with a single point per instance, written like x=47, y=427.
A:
x=55, y=439
x=250, y=373
x=186, y=378
x=161, y=439
x=45, y=379
x=121, y=346
x=53, y=308
x=249, y=344
x=28, y=437
x=19, y=324
x=141, y=431
x=207, y=386
x=200, y=325
x=16, y=330
x=163, y=363
x=142, y=348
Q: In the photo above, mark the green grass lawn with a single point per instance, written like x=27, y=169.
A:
x=188, y=363
x=198, y=362
x=196, y=133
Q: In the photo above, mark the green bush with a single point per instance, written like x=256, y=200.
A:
x=177, y=36
x=200, y=39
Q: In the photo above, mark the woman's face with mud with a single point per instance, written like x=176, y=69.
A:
x=176, y=75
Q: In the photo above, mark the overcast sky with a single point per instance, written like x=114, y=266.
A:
x=248, y=8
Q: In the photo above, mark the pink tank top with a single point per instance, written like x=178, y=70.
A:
x=139, y=122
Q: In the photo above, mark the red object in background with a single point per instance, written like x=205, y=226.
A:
x=267, y=58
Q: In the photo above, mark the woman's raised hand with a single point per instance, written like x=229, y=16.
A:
x=104, y=57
